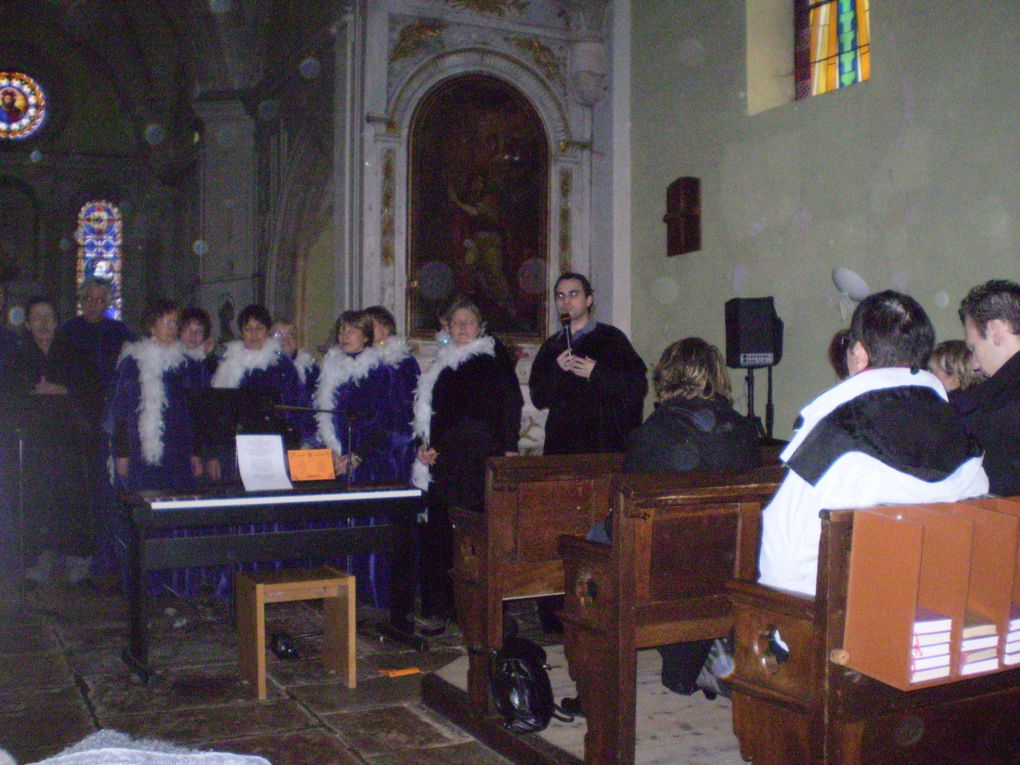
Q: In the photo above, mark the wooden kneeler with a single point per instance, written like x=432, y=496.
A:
x=336, y=590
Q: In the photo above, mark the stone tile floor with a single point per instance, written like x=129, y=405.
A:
x=61, y=678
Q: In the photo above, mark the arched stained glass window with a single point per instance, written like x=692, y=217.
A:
x=833, y=44
x=22, y=106
x=99, y=253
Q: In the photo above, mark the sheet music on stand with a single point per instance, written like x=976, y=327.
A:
x=262, y=463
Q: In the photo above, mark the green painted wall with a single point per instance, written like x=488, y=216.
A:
x=911, y=179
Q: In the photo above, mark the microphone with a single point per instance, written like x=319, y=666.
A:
x=565, y=321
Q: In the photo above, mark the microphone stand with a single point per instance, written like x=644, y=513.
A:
x=351, y=419
x=20, y=432
x=350, y=450
x=750, y=404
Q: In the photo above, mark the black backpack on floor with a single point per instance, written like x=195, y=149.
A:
x=519, y=680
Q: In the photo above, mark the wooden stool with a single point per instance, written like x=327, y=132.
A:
x=335, y=588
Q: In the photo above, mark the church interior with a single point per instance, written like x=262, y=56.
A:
x=321, y=156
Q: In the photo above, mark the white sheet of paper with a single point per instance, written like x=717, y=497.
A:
x=262, y=463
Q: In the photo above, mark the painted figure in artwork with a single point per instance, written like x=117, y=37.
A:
x=11, y=105
x=479, y=197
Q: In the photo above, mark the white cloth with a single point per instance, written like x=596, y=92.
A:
x=110, y=747
x=791, y=528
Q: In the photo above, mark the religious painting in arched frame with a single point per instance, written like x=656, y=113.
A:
x=22, y=106
x=478, y=207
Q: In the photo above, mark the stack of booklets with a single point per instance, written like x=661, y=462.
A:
x=929, y=656
x=979, y=645
x=1011, y=653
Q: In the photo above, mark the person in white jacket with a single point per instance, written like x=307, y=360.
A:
x=885, y=435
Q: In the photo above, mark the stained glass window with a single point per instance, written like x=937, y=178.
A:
x=833, y=44
x=99, y=255
x=22, y=106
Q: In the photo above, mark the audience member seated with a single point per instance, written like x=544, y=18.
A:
x=953, y=363
x=886, y=434
x=991, y=321
x=837, y=354
x=693, y=427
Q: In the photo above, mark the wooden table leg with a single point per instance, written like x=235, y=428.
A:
x=251, y=634
x=339, y=648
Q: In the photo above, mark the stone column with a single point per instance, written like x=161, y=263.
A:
x=229, y=267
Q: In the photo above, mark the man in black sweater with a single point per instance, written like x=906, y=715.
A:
x=589, y=377
x=593, y=383
x=991, y=320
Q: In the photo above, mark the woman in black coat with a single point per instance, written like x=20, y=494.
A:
x=467, y=408
x=693, y=427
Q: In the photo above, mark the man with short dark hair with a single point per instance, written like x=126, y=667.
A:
x=885, y=435
x=588, y=375
x=991, y=321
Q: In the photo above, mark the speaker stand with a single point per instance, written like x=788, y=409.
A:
x=763, y=433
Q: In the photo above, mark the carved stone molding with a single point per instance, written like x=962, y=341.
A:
x=386, y=207
x=464, y=61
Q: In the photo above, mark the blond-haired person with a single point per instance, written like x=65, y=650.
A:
x=694, y=425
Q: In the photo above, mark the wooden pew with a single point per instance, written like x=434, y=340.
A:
x=663, y=580
x=812, y=710
x=509, y=551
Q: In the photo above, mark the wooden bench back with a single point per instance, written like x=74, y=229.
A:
x=679, y=535
x=812, y=709
x=530, y=501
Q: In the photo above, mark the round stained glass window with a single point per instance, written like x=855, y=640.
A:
x=22, y=106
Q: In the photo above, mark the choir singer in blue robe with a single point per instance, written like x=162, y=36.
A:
x=148, y=418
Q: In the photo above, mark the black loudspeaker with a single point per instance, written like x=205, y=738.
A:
x=754, y=333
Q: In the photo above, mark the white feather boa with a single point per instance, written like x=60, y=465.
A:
x=154, y=361
x=195, y=354
x=305, y=363
x=238, y=361
x=449, y=357
x=339, y=368
x=393, y=350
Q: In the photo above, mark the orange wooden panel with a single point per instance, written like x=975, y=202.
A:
x=1010, y=505
x=993, y=560
x=945, y=560
x=885, y=568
